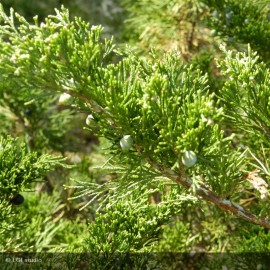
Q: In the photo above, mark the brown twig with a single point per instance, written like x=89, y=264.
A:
x=190, y=36
x=210, y=196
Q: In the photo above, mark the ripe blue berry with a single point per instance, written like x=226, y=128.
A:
x=28, y=112
x=17, y=199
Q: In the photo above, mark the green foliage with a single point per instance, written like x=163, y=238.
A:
x=107, y=13
x=242, y=22
x=246, y=93
x=166, y=123
x=131, y=226
x=36, y=121
x=124, y=98
x=179, y=231
x=165, y=25
x=43, y=227
x=252, y=240
x=19, y=169
x=30, y=8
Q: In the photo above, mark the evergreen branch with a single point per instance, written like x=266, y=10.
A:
x=208, y=195
x=163, y=106
x=251, y=15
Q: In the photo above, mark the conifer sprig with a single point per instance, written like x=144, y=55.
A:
x=162, y=106
x=18, y=170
